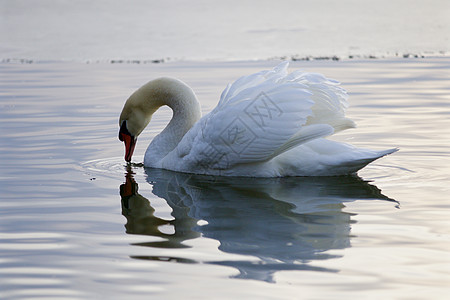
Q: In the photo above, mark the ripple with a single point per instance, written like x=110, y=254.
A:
x=113, y=167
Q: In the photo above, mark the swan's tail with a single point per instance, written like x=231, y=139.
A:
x=357, y=164
x=386, y=152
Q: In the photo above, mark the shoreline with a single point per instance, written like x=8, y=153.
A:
x=292, y=58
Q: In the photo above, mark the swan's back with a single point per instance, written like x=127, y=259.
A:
x=270, y=124
x=321, y=98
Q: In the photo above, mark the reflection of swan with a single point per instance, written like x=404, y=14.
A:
x=141, y=219
x=283, y=222
x=268, y=124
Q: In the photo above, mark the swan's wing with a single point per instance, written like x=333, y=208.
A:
x=263, y=115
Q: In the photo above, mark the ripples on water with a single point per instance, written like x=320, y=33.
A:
x=77, y=222
x=284, y=222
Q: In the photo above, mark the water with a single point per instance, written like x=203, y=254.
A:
x=221, y=30
x=77, y=223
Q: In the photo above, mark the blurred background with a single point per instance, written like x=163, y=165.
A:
x=157, y=30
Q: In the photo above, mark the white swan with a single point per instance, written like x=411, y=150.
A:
x=267, y=124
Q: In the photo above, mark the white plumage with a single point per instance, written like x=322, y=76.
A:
x=267, y=124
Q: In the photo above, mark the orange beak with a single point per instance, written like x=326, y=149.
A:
x=129, y=141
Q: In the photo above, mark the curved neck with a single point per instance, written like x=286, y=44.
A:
x=186, y=112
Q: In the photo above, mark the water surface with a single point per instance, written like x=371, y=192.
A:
x=77, y=223
x=221, y=30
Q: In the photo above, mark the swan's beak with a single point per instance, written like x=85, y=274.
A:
x=129, y=141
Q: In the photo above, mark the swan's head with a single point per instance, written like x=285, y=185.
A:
x=136, y=114
x=139, y=108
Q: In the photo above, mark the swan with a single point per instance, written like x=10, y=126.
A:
x=268, y=124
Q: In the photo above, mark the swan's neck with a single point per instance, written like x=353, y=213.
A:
x=186, y=112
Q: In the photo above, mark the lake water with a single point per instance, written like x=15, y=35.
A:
x=99, y=30
x=77, y=223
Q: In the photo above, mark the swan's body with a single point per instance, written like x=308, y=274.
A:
x=267, y=124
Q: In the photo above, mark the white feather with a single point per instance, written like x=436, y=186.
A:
x=267, y=124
